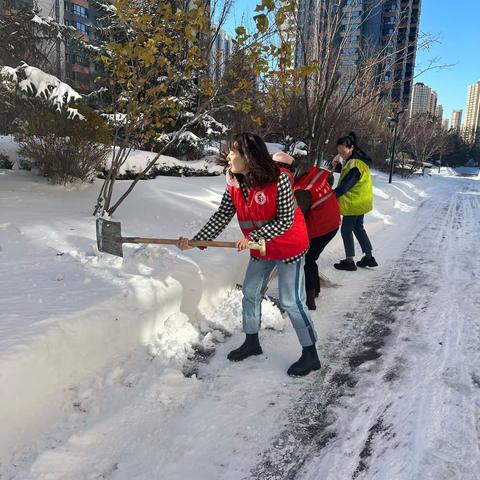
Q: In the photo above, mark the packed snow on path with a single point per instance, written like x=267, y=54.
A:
x=114, y=368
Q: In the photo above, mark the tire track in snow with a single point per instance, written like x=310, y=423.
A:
x=349, y=420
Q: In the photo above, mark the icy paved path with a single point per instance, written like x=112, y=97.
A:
x=403, y=401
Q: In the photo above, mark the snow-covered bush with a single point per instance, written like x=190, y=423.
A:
x=65, y=159
x=63, y=149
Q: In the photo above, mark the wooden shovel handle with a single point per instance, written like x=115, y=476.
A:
x=260, y=245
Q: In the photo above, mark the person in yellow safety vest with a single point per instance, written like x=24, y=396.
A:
x=355, y=196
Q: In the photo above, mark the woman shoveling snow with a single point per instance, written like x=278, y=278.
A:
x=260, y=193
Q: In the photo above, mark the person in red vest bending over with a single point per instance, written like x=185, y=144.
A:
x=319, y=205
x=260, y=192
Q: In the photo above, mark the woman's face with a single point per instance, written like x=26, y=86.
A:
x=344, y=151
x=237, y=162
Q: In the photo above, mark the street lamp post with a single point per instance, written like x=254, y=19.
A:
x=395, y=119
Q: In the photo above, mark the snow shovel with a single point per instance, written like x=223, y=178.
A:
x=110, y=240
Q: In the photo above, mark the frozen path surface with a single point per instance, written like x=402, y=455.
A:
x=398, y=397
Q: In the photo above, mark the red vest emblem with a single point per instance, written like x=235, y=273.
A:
x=260, y=198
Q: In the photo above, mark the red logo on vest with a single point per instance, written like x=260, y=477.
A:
x=260, y=198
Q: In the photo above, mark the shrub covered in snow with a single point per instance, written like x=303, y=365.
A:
x=63, y=159
x=65, y=150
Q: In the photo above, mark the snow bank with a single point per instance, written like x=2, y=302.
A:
x=138, y=160
x=68, y=314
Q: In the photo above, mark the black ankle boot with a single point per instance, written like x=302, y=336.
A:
x=311, y=300
x=306, y=363
x=367, y=261
x=251, y=346
x=347, y=264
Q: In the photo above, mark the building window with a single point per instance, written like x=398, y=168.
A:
x=81, y=27
x=79, y=10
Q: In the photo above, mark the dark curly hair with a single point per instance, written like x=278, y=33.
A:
x=261, y=168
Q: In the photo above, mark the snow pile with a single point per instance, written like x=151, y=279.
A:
x=68, y=314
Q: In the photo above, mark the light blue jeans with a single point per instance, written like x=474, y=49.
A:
x=291, y=286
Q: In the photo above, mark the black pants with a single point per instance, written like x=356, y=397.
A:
x=317, y=245
x=353, y=224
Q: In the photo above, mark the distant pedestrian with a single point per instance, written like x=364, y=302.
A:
x=319, y=205
x=355, y=197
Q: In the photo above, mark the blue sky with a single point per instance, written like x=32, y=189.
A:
x=455, y=24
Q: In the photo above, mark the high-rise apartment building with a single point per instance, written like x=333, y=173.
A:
x=423, y=101
x=432, y=103
x=220, y=53
x=456, y=122
x=80, y=71
x=471, y=126
x=439, y=112
x=367, y=27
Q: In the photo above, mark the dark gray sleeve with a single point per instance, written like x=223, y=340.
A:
x=348, y=182
x=303, y=198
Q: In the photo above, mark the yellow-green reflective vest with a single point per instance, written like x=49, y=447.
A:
x=359, y=199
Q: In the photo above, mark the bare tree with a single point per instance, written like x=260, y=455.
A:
x=333, y=82
x=424, y=137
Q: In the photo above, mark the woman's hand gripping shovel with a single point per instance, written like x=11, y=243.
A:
x=110, y=240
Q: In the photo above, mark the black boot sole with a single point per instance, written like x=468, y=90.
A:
x=233, y=358
x=346, y=269
x=366, y=266
x=316, y=366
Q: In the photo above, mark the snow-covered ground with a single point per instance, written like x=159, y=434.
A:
x=114, y=368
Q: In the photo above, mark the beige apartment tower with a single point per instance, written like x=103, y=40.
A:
x=423, y=100
x=471, y=126
x=456, y=120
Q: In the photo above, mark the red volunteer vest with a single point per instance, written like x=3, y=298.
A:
x=324, y=214
x=260, y=209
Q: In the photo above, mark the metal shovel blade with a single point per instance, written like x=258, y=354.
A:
x=109, y=237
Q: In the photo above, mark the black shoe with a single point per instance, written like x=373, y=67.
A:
x=251, y=346
x=367, y=262
x=346, y=264
x=306, y=363
x=311, y=300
